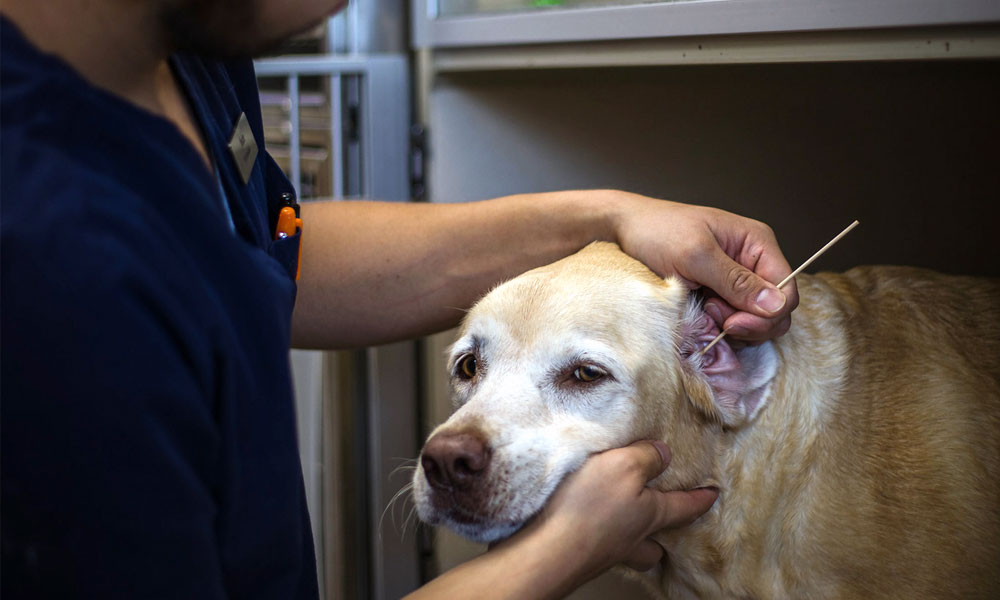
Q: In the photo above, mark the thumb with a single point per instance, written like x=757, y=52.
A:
x=652, y=457
x=739, y=286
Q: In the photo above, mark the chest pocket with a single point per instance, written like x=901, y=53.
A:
x=287, y=251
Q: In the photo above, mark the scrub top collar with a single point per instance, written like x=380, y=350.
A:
x=217, y=113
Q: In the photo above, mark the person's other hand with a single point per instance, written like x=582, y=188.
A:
x=736, y=258
x=605, y=513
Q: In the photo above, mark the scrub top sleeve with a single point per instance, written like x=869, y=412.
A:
x=109, y=439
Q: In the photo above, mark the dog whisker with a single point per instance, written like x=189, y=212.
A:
x=412, y=466
x=411, y=516
x=402, y=493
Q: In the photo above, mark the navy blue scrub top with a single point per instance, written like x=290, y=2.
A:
x=148, y=432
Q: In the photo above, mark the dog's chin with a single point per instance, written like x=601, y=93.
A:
x=485, y=533
x=477, y=528
x=470, y=525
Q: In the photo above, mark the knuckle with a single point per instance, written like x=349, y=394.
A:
x=632, y=463
x=765, y=229
x=759, y=227
x=740, y=280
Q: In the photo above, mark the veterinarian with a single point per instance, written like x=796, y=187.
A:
x=148, y=434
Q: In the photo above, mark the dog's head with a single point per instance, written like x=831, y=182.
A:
x=590, y=353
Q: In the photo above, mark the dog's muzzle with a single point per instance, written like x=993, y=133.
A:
x=456, y=466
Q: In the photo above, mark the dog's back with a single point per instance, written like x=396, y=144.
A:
x=919, y=458
x=875, y=470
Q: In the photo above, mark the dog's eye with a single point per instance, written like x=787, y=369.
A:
x=466, y=367
x=588, y=373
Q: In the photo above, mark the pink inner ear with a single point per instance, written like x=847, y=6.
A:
x=719, y=364
x=720, y=357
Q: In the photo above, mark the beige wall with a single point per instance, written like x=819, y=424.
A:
x=910, y=149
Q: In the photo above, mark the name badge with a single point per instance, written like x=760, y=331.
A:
x=243, y=147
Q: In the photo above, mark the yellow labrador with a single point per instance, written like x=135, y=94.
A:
x=858, y=456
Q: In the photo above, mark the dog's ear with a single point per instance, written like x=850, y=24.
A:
x=730, y=386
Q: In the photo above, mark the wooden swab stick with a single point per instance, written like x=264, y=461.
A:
x=818, y=254
x=790, y=277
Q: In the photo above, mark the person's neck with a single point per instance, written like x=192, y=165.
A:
x=116, y=45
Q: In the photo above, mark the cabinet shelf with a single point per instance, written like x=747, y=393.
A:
x=669, y=32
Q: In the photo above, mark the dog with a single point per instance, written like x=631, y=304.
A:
x=857, y=456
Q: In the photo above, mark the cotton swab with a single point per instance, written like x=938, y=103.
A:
x=790, y=277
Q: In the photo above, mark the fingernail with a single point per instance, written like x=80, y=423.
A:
x=664, y=452
x=714, y=312
x=770, y=300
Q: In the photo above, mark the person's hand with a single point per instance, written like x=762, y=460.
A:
x=600, y=516
x=604, y=513
x=736, y=258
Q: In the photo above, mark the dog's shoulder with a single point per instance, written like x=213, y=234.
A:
x=888, y=286
x=886, y=310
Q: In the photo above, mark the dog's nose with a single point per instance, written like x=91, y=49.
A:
x=454, y=460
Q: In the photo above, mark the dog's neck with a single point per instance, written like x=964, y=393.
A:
x=786, y=428
x=786, y=431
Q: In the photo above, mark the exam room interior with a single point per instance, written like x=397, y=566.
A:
x=909, y=148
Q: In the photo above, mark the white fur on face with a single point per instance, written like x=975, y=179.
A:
x=539, y=421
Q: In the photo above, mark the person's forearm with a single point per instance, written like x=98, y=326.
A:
x=533, y=565
x=376, y=272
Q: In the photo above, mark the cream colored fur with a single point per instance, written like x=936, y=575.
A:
x=866, y=464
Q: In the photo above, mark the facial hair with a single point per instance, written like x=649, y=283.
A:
x=217, y=29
